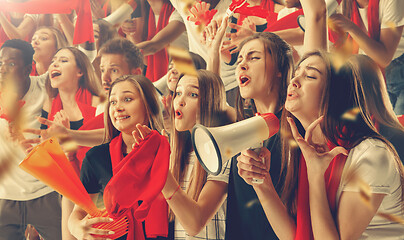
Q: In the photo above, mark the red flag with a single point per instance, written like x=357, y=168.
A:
x=84, y=26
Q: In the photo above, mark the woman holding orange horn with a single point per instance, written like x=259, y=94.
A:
x=132, y=110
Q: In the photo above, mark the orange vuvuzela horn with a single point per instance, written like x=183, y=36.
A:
x=48, y=163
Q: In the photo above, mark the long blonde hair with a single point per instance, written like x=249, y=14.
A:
x=212, y=103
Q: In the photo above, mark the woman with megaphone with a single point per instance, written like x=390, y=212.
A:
x=196, y=199
x=343, y=172
x=264, y=68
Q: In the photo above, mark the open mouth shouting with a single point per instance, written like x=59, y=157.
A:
x=55, y=73
x=178, y=114
x=244, y=80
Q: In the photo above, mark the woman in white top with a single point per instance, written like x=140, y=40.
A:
x=197, y=200
x=322, y=198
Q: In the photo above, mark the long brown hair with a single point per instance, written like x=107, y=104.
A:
x=343, y=91
x=88, y=81
x=212, y=103
x=150, y=101
x=280, y=54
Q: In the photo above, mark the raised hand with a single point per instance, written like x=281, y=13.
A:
x=61, y=118
x=140, y=133
x=317, y=156
x=201, y=13
x=54, y=130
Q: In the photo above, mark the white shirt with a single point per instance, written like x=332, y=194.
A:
x=18, y=184
x=215, y=228
x=391, y=13
x=227, y=73
x=375, y=165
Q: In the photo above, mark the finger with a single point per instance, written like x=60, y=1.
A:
x=45, y=121
x=311, y=127
x=336, y=151
x=136, y=135
x=33, y=131
x=248, y=171
x=256, y=161
x=143, y=130
x=91, y=221
x=30, y=141
x=265, y=155
x=234, y=26
x=295, y=133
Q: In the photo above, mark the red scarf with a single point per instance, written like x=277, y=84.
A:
x=287, y=22
x=373, y=22
x=332, y=178
x=83, y=100
x=373, y=25
x=95, y=123
x=140, y=176
x=3, y=35
x=157, y=64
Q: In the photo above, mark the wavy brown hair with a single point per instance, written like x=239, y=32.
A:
x=343, y=91
x=280, y=53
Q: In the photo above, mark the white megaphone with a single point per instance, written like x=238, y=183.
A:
x=331, y=6
x=214, y=145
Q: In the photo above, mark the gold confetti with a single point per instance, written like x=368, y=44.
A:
x=183, y=61
x=351, y=114
x=392, y=26
x=252, y=203
x=391, y=217
x=69, y=146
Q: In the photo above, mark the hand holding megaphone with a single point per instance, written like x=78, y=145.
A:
x=214, y=145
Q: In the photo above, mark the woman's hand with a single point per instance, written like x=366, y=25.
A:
x=252, y=165
x=83, y=230
x=201, y=13
x=140, y=133
x=213, y=33
x=54, y=130
x=317, y=156
x=61, y=118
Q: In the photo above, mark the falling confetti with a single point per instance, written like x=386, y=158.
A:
x=183, y=61
x=351, y=114
x=252, y=203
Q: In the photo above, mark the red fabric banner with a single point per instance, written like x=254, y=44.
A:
x=83, y=31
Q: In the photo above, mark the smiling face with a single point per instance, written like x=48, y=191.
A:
x=255, y=71
x=186, y=103
x=305, y=90
x=172, y=77
x=44, y=44
x=63, y=71
x=126, y=107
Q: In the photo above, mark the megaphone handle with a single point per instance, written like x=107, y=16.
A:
x=257, y=149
